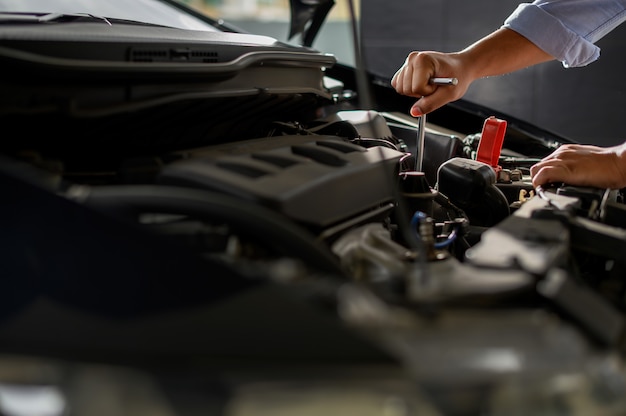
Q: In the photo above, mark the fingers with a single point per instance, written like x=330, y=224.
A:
x=581, y=165
x=542, y=175
x=559, y=166
x=413, y=80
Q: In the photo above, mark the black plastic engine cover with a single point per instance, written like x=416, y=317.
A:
x=317, y=180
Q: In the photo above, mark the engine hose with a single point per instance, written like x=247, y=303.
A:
x=251, y=219
x=416, y=220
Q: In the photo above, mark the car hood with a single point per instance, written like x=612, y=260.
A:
x=307, y=17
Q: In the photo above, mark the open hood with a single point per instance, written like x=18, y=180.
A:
x=307, y=17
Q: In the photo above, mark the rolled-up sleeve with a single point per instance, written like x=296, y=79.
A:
x=568, y=29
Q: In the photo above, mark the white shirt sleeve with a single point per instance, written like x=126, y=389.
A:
x=568, y=29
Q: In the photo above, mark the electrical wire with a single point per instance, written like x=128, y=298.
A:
x=449, y=239
x=420, y=216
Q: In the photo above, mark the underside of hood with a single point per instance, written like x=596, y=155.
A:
x=307, y=17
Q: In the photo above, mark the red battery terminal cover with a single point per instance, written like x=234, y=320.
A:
x=490, y=144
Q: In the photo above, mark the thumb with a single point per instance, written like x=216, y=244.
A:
x=425, y=105
x=440, y=97
x=416, y=110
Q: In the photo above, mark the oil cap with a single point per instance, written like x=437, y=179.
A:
x=490, y=144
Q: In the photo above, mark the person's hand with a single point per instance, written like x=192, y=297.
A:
x=583, y=165
x=412, y=79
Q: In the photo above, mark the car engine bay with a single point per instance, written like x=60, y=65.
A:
x=258, y=215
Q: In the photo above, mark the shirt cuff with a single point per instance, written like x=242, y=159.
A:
x=549, y=34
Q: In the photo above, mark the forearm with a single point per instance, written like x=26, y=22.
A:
x=501, y=52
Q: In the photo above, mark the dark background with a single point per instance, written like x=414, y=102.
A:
x=583, y=104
